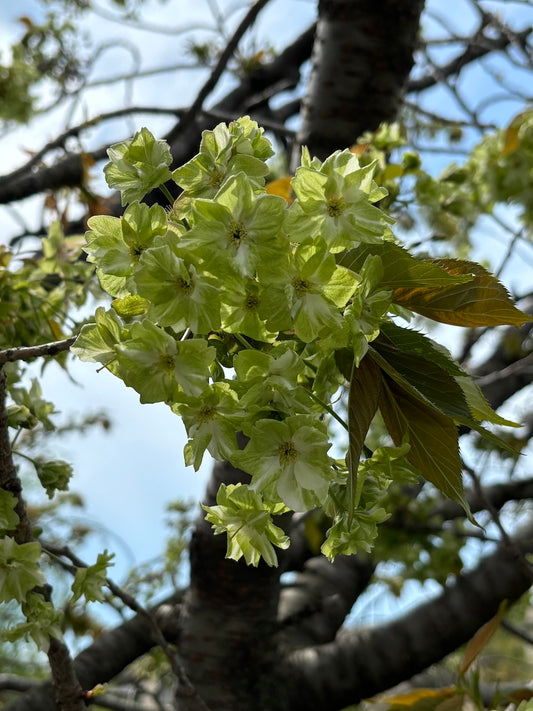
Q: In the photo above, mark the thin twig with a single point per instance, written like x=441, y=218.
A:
x=28, y=352
x=219, y=68
x=185, y=688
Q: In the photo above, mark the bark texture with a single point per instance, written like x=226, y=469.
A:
x=361, y=60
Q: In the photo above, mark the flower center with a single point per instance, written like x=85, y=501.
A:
x=237, y=232
x=301, y=286
x=136, y=249
x=166, y=363
x=206, y=413
x=251, y=301
x=335, y=207
x=216, y=177
x=183, y=285
x=287, y=453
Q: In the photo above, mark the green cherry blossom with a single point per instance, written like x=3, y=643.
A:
x=334, y=202
x=226, y=151
x=237, y=227
x=116, y=244
x=211, y=423
x=288, y=458
x=180, y=296
x=270, y=382
x=308, y=296
x=159, y=367
x=241, y=310
x=247, y=519
x=138, y=166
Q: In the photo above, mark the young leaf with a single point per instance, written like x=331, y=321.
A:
x=433, y=438
x=90, y=581
x=478, y=404
x=481, y=301
x=481, y=639
x=19, y=569
x=422, y=699
x=400, y=269
x=425, y=379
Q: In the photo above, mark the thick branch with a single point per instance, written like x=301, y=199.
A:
x=360, y=664
x=315, y=604
x=280, y=74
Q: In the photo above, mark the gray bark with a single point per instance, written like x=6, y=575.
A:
x=361, y=60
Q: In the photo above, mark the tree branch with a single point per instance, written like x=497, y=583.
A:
x=219, y=68
x=362, y=663
x=30, y=352
x=314, y=605
x=109, y=654
x=480, y=46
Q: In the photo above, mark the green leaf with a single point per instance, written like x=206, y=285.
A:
x=482, y=301
x=478, y=404
x=8, y=517
x=432, y=436
x=423, y=379
x=19, y=569
x=89, y=582
x=138, y=166
x=400, y=268
x=54, y=475
x=429, y=374
x=416, y=343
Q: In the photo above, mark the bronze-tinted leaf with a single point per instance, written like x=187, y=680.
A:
x=481, y=301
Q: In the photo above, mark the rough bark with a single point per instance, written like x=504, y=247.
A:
x=228, y=618
x=362, y=56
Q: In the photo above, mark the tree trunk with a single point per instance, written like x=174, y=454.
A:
x=361, y=60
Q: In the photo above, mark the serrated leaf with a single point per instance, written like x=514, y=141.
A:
x=432, y=436
x=419, y=344
x=400, y=268
x=432, y=378
x=480, y=640
x=478, y=404
x=423, y=379
x=481, y=301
